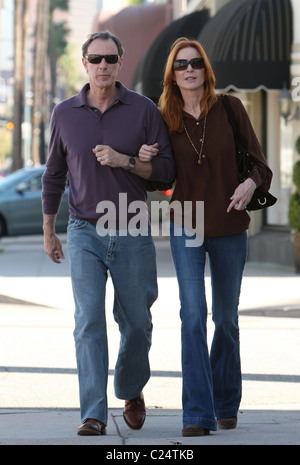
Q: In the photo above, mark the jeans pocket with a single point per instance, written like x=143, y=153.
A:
x=76, y=224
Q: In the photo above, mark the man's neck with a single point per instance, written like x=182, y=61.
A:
x=102, y=98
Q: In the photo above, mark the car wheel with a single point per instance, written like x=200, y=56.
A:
x=2, y=227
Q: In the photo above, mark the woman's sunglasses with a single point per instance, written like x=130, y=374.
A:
x=181, y=65
x=96, y=59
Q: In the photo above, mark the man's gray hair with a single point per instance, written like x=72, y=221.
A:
x=106, y=35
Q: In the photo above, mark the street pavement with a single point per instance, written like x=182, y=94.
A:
x=38, y=382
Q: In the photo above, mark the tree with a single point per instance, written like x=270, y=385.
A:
x=57, y=42
x=0, y=35
x=20, y=32
x=54, y=47
x=134, y=2
x=50, y=41
x=38, y=106
x=68, y=74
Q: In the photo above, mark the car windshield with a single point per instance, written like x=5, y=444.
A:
x=12, y=179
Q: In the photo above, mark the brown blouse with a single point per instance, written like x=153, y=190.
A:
x=215, y=179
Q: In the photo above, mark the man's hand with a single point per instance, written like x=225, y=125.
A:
x=107, y=156
x=52, y=244
x=242, y=195
x=53, y=249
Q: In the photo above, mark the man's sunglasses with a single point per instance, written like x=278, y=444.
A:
x=96, y=59
x=196, y=63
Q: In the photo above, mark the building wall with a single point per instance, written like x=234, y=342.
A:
x=137, y=27
x=295, y=65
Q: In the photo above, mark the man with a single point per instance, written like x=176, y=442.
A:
x=107, y=140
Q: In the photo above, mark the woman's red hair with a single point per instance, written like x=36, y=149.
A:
x=171, y=102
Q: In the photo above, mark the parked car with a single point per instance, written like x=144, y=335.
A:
x=21, y=207
x=3, y=173
x=20, y=204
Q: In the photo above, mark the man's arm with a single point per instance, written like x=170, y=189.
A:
x=107, y=156
x=54, y=183
x=52, y=244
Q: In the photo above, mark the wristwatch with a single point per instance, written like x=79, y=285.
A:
x=132, y=162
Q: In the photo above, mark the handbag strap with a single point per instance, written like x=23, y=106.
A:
x=243, y=158
x=231, y=118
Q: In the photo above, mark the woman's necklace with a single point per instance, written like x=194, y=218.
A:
x=202, y=141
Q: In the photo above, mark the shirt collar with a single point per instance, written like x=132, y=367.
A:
x=123, y=96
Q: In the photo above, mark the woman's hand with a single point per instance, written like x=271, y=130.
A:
x=242, y=195
x=147, y=152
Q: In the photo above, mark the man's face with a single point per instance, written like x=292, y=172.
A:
x=102, y=75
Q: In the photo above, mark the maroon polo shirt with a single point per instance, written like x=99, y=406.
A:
x=76, y=128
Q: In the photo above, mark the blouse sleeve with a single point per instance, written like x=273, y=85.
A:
x=261, y=174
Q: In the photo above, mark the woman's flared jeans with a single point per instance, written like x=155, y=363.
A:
x=212, y=384
x=131, y=262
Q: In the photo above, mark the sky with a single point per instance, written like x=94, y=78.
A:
x=6, y=31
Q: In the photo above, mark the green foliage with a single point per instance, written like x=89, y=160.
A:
x=6, y=145
x=60, y=4
x=296, y=176
x=294, y=212
x=58, y=31
x=297, y=145
x=294, y=206
x=59, y=43
x=134, y=2
x=68, y=75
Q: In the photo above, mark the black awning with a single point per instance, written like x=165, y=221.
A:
x=248, y=43
x=148, y=76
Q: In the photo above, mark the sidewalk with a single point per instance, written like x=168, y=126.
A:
x=38, y=382
x=162, y=428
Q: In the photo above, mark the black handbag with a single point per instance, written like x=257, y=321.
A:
x=245, y=164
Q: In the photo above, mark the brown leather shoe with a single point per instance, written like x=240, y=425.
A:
x=135, y=412
x=91, y=427
x=227, y=423
x=195, y=430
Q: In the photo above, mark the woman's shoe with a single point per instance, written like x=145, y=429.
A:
x=195, y=430
x=227, y=423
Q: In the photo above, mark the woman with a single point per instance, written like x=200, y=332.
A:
x=204, y=150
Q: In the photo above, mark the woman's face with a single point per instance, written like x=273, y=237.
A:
x=189, y=79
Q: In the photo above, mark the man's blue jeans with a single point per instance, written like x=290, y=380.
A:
x=131, y=262
x=211, y=382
